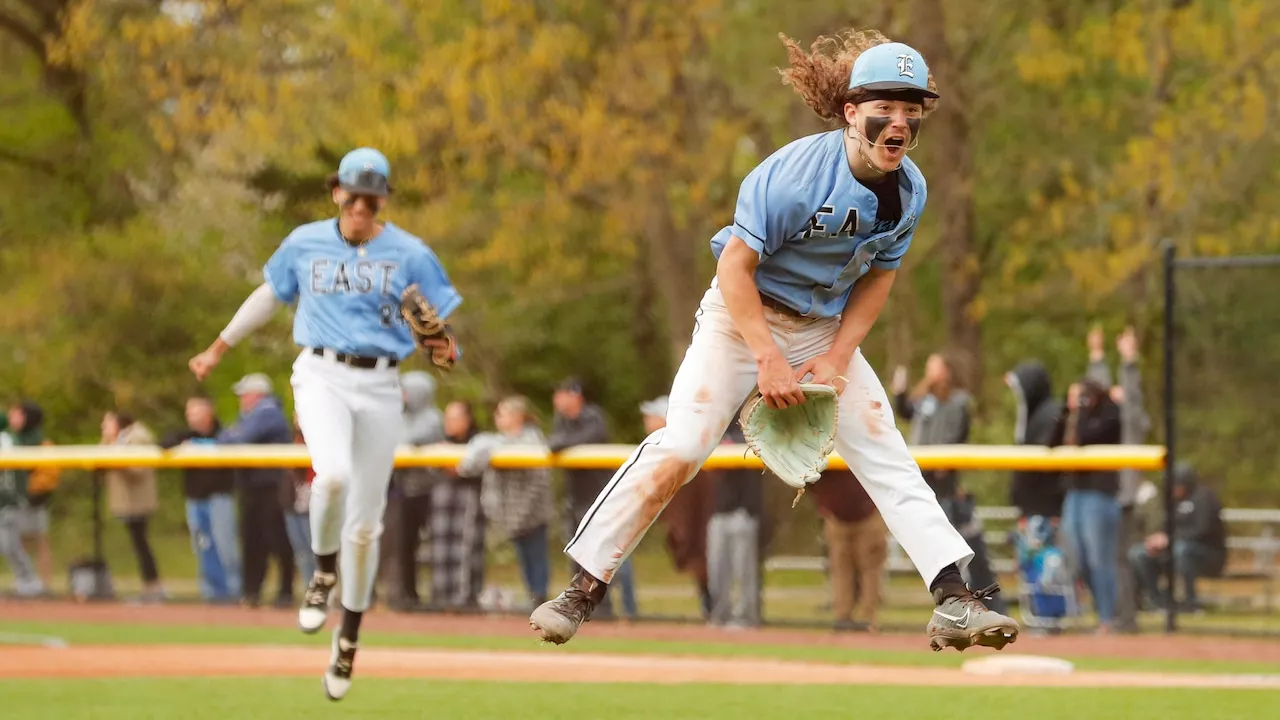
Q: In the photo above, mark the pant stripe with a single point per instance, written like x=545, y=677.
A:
x=609, y=489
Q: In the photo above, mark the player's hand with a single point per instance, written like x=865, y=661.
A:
x=824, y=370
x=204, y=363
x=777, y=383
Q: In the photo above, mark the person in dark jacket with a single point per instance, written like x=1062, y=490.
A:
x=1091, y=511
x=211, y=508
x=1035, y=492
x=262, y=529
x=938, y=410
x=1199, y=542
x=578, y=422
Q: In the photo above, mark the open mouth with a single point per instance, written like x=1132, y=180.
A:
x=895, y=145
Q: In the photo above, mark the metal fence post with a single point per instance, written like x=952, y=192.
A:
x=1170, y=429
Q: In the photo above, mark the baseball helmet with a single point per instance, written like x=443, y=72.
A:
x=365, y=171
x=889, y=67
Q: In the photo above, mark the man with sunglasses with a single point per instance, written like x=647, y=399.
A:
x=347, y=276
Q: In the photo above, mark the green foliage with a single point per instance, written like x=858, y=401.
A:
x=569, y=161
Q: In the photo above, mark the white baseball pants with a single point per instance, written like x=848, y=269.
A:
x=352, y=421
x=717, y=375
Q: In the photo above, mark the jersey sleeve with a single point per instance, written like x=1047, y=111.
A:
x=771, y=206
x=890, y=258
x=425, y=270
x=280, y=271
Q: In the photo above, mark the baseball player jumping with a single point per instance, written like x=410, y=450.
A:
x=820, y=229
x=368, y=293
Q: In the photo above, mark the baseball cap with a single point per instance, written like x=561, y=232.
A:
x=365, y=171
x=253, y=383
x=570, y=384
x=656, y=407
x=891, y=66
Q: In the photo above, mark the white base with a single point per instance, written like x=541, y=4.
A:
x=1017, y=665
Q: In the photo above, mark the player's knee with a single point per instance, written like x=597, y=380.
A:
x=329, y=485
x=362, y=533
x=689, y=447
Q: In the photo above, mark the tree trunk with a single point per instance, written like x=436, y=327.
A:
x=951, y=190
x=674, y=272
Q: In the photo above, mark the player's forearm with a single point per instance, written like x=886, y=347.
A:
x=253, y=314
x=736, y=276
x=861, y=311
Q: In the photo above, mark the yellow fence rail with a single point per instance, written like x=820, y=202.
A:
x=933, y=457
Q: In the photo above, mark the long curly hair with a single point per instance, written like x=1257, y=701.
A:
x=821, y=75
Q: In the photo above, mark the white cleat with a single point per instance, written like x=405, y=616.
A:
x=337, y=679
x=315, y=604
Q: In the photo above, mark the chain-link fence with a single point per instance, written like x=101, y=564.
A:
x=1223, y=356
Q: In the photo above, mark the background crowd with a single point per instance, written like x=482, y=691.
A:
x=1109, y=525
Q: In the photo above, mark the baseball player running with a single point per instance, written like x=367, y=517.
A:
x=365, y=291
x=820, y=229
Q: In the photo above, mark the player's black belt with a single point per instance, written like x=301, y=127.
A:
x=779, y=306
x=363, y=362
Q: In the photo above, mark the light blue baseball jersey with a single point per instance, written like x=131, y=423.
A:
x=815, y=226
x=348, y=297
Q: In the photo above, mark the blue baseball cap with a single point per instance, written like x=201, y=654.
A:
x=365, y=171
x=891, y=66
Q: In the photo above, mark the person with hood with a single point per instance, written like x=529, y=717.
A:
x=1035, y=492
x=517, y=500
x=262, y=531
x=424, y=425
x=211, y=507
x=132, y=496
x=16, y=429
x=1199, y=541
x=938, y=409
x=1090, y=510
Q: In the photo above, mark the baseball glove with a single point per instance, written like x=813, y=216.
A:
x=793, y=442
x=430, y=332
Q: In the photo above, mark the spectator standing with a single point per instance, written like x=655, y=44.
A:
x=857, y=548
x=1039, y=418
x=1091, y=513
x=262, y=530
x=13, y=503
x=456, y=525
x=939, y=412
x=424, y=425
x=733, y=544
x=1199, y=542
x=578, y=422
x=518, y=502
x=1135, y=424
x=295, y=500
x=27, y=424
x=211, y=507
x=688, y=514
x=132, y=497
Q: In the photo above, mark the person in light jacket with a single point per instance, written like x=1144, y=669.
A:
x=132, y=497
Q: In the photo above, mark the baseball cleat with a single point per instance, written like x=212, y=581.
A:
x=337, y=679
x=961, y=621
x=315, y=604
x=558, y=619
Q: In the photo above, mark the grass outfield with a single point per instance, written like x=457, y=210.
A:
x=379, y=698
x=140, y=634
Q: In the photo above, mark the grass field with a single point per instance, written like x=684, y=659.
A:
x=276, y=698
x=376, y=698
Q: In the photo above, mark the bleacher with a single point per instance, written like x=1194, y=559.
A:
x=1252, y=543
